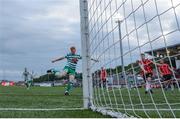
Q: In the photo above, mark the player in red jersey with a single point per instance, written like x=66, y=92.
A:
x=146, y=72
x=103, y=77
x=166, y=74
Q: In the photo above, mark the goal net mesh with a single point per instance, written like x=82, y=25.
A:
x=119, y=32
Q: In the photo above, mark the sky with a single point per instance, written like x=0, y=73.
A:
x=33, y=32
x=147, y=34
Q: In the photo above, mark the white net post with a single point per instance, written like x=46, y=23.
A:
x=87, y=81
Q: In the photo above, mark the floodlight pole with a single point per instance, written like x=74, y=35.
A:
x=121, y=47
x=87, y=80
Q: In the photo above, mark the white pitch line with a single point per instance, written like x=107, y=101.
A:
x=39, y=109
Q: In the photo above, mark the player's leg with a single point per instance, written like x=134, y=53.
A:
x=99, y=82
x=128, y=85
x=145, y=80
x=27, y=84
x=104, y=83
x=131, y=85
x=31, y=83
x=148, y=83
x=70, y=84
x=169, y=84
x=26, y=81
x=60, y=74
x=172, y=84
x=71, y=80
x=166, y=82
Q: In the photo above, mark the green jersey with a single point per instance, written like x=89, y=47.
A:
x=72, y=60
x=26, y=75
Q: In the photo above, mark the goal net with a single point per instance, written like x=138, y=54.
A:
x=137, y=45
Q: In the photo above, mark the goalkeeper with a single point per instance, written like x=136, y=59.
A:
x=70, y=68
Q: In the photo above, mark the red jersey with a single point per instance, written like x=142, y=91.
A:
x=103, y=74
x=146, y=63
x=165, y=69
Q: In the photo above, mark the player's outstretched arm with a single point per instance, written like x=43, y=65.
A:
x=58, y=59
x=95, y=60
x=155, y=63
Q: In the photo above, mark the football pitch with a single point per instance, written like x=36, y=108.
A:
x=43, y=98
x=55, y=104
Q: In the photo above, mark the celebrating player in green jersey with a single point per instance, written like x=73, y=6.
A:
x=70, y=68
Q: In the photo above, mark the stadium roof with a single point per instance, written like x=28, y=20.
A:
x=175, y=49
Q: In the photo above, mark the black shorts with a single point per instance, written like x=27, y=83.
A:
x=104, y=80
x=148, y=75
x=167, y=77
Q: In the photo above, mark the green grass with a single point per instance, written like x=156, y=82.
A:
x=39, y=97
x=173, y=98
x=51, y=114
x=53, y=97
x=43, y=97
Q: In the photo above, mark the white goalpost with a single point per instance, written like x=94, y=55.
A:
x=87, y=82
x=119, y=33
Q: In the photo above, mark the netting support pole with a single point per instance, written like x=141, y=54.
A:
x=121, y=48
x=87, y=80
